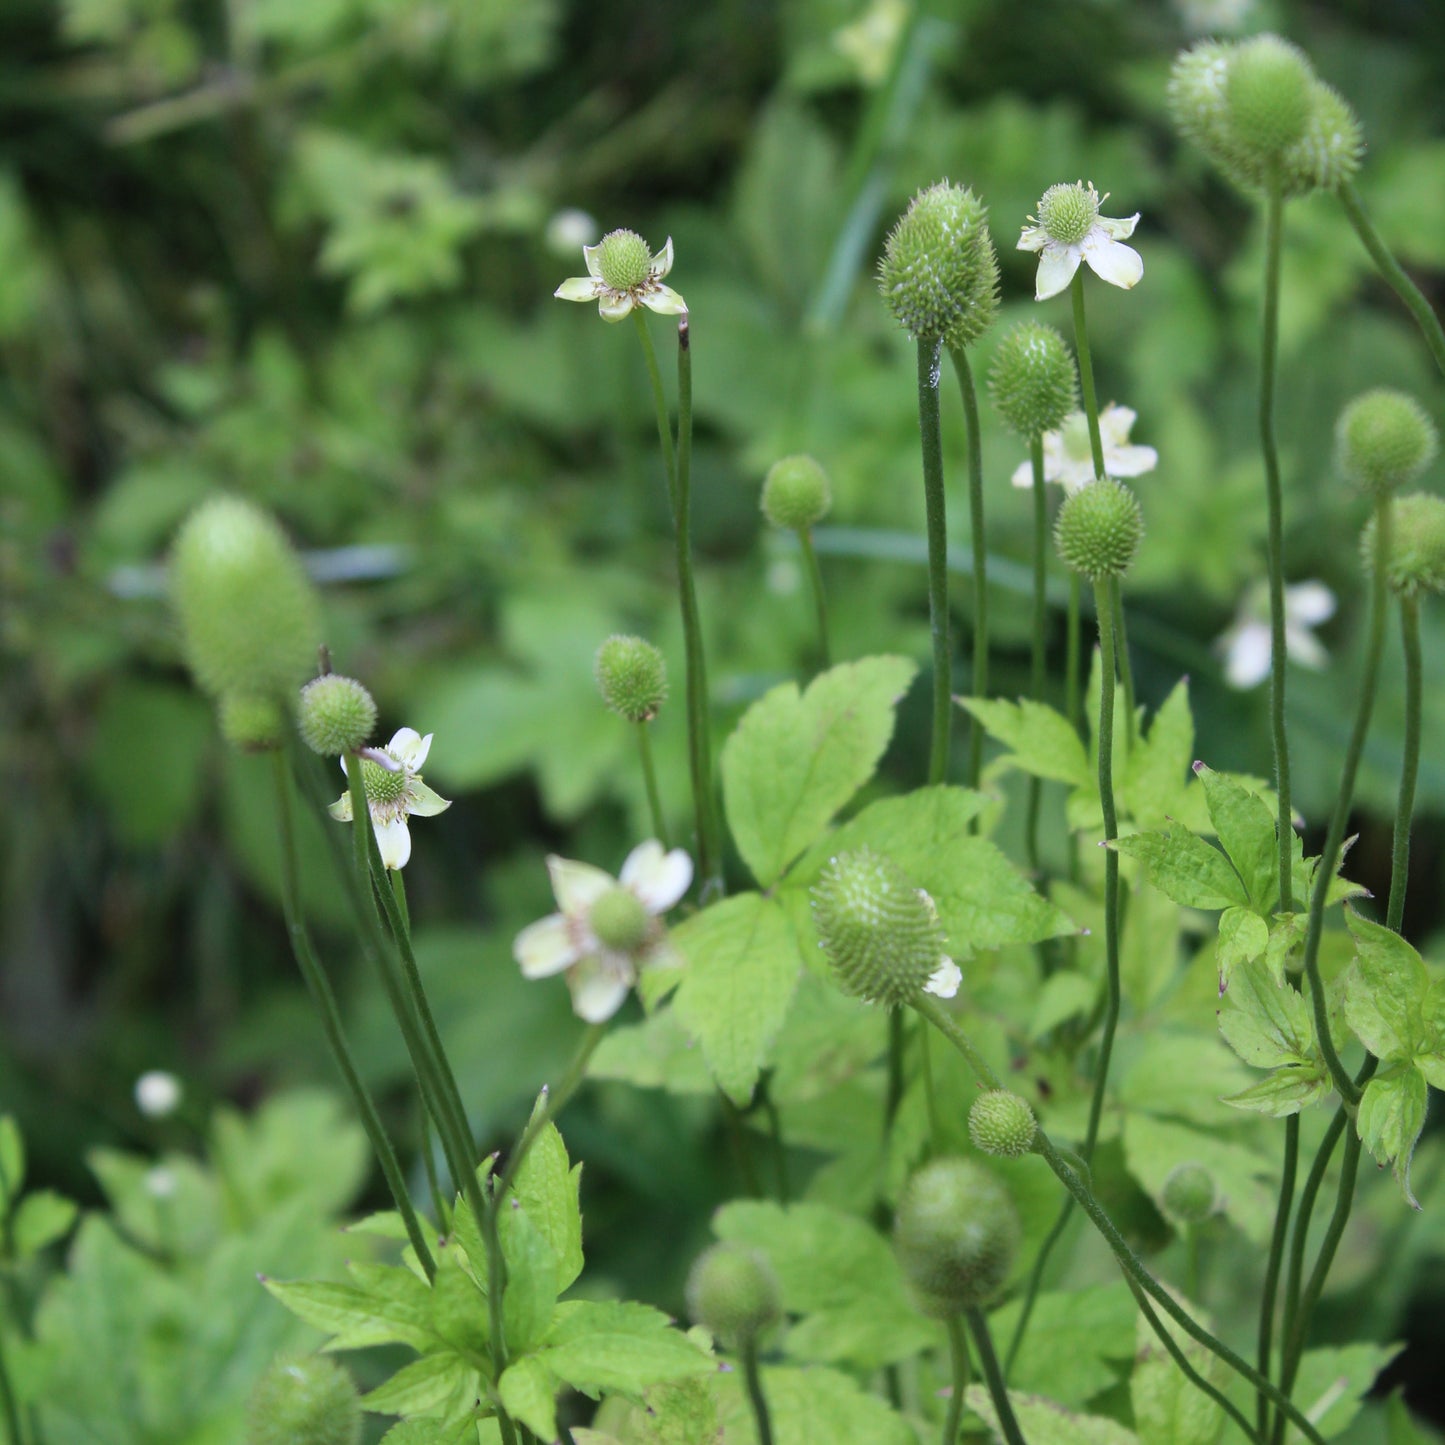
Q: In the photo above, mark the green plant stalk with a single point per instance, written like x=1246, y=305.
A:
x=775, y=1134
x=753, y=1379
x=958, y=1372
x=1393, y=273
x=820, y=600
x=439, y=1203
x=1410, y=765
x=966, y=389
x=1037, y=655
x=1126, y=668
x=993, y=1377
x=1270, y=1289
x=398, y=891
x=1086, y=371
x=324, y=1001
x=1073, y=692
x=1036, y=1279
x=649, y=780
x=931, y=437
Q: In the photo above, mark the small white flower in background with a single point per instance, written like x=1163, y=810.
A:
x=157, y=1094
x=871, y=40
x=1069, y=459
x=569, y=229
x=1248, y=648
x=1214, y=17
x=623, y=273
x=161, y=1183
x=1069, y=229
x=392, y=794
x=947, y=978
x=607, y=928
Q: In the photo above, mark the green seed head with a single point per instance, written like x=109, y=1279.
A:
x=335, y=715
x=1067, y=212
x=1032, y=380
x=1330, y=150
x=733, y=1292
x=1099, y=529
x=248, y=615
x=957, y=1234
x=620, y=920
x=1384, y=440
x=624, y=260
x=1002, y=1124
x=1190, y=1194
x=1197, y=102
x=380, y=784
x=253, y=724
x=939, y=272
x=1417, y=545
x=310, y=1401
x=1268, y=97
x=632, y=677
x=796, y=494
x=881, y=934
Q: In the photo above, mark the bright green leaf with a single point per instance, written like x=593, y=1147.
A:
x=1332, y=1383
x=41, y=1219
x=1040, y=741
x=1243, y=937
x=1156, y=776
x=1170, y=1409
x=529, y=1391
x=531, y=1294
x=1390, y=1117
x=425, y=1387
x=623, y=1347
x=359, y=1317
x=1246, y=830
x=1045, y=1423
x=1286, y=1091
x=1185, y=868
x=1267, y=1024
x=1385, y=997
x=813, y=1406
x=1077, y=1342
x=546, y=1187
x=1063, y=996
x=458, y=1307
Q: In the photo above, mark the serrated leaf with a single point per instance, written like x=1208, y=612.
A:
x=355, y=1317
x=1040, y=741
x=1286, y=939
x=653, y=1054
x=1185, y=868
x=1331, y=1385
x=42, y=1218
x=1063, y=996
x=1286, y=1091
x=1267, y=1024
x=1243, y=937
x=1170, y=1409
x=597, y=1346
x=1156, y=776
x=1077, y=1342
x=529, y=1392
x=531, y=1294
x=810, y=1407
x=1246, y=830
x=1389, y=1120
x=546, y=1187
x=1043, y=1422
x=1386, y=994
x=425, y=1386
x=423, y=1431
x=458, y=1307
x=794, y=760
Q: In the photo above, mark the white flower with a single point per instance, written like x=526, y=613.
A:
x=1248, y=648
x=623, y=273
x=1069, y=459
x=1069, y=229
x=945, y=980
x=393, y=793
x=607, y=928
x=567, y=230
x=157, y=1094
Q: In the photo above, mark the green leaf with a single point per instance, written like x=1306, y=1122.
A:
x=1332, y=1383
x=1040, y=741
x=742, y=967
x=1243, y=937
x=529, y=1391
x=624, y=1347
x=1400, y=1428
x=1179, y=1074
x=1156, y=776
x=41, y=1219
x=1168, y=1408
x=427, y=1386
x=1386, y=994
x=12, y=1163
x=810, y=1407
x=1267, y=1024
x=1185, y=868
x=1246, y=829
x=459, y=1307
x=546, y=1187
x=653, y=1054
x=1077, y=1342
x=1063, y=996
x=794, y=760
x=1286, y=1091
x=531, y=1294
x=1390, y=1117
x=1045, y=1423
x=396, y=1311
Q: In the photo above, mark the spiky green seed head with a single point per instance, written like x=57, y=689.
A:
x=1099, y=529
x=1384, y=440
x=624, y=259
x=957, y=1235
x=253, y=724
x=1417, y=545
x=733, y=1292
x=620, y=920
x=1032, y=380
x=796, y=494
x=1002, y=1124
x=880, y=933
x=1190, y=1194
x=1197, y=86
x=632, y=677
x=1268, y=97
x=1067, y=212
x=310, y=1401
x=1331, y=148
x=939, y=272
x=335, y=715
x=382, y=785
x=249, y=616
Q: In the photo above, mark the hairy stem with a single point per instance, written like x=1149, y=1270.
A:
x=752, y=1377
x=1037, y=653
x=1270, y=1288
x=1410, y=764
x=932, y=442
x=649, y=780
x=820, y=600
x=993, y=1376
x=958, y=1374
x=977, y=537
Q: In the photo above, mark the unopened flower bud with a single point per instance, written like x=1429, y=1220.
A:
x=632, y=677
x=733, y=1292
x=310, y=1401
x=335, y=715
x=957, y=1234
x=1032, y=380
x=1190, y=1194
x=1417, y=545
x=1002, y=1124
x=1268, y=97
x=253, y=724
x=1099, y=529
x=796, y=494
x=1384, y=440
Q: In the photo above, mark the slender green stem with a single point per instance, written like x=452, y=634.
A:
x=932, y=441
x=775, y=1133
x=659, y=400
x=649, y=779
x=1410, y=765
x=1126, y=667
x=1038, y=652
x=742, y=1153
x=1193, y=1246
x=1270, y=1288
x=1073, y=692
x=959, y=1372
x=980, y=555
x=1391, y=270
x=820, y=600
x=993, y=1376
x=398, y=891
x=753, y=1379
x=433, y=1181
x=1036, y=1279
x=1086, y=371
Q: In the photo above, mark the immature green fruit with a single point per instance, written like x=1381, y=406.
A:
x=1384, y=440
x=1197, y=104
x=1190, y=1194
x=1268, y=97
x=1032, y=380
x=881, y=934
x=733, y=1292
x=309, y=1401
x=623, y=259
x=939, y=272
x=1002, y=1124
x=957, y=1234
x=1330, y=150
x=1099, y=529
x=796, y=494
x=248, y=614
x=335, y=715
x=620, y=920
x=1417, y=545
x=632, y=677
x=253, y=724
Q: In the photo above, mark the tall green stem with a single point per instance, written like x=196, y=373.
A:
x=1036, y=1279
x=980, y=555
x=1410, y=766
x=1037, y=655
x=1270, y=1289
x=1086, y=371
x=1126, y=668
x=820, y=600
x=993, y=1376
x=931, y=437
x=1073, y=691
x=753, y=1379
x=958, y=1373
x=649, y=780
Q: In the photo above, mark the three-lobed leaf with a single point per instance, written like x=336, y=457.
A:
x=1185, y=868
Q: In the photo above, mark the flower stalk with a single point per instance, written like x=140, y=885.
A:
x=967, y=391
x=931, y=437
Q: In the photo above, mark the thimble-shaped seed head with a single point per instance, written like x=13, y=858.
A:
x=1416, y=563
x=1330, y=150
x=796, y=494
x=253, y=724
x=1384, y=440
x=620, y=920
x=1067, y=212
x=1190, y=1194
x=1002, y=1124
x=880, y=933
x=309, y=1401
x=1197, y=104
x=623, y=259
x=335, y=715
x=1032, y=379
x=957, y=1234
x=733, y=1292
x=1099, y=529
x=1268, y=97
x=632, y=677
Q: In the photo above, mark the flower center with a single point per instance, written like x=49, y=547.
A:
x=1075, y=436
x=1068, y=213
x=619, y=920
x=624, y=260
x=382, y=786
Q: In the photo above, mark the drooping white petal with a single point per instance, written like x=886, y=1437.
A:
x=577, y=886
x=1130, y=461
x=1115, y=424
x=1034, y=238
x=1112, y=261
x=393, y=841
x=1309, y=603
x=423, y=802
x=597, y=994
x=342, y=761
x=341, y=808
x=614, y=307
x=662, y=262
x=665, y=301
x=577, y=288
x=945, y=980
x=1247, y=655
x=1075, y=476
x=659, y=879
x=590, y=255
x=1119, y=228
x=1304, y=647
x=1057, y=265
x=545, y=947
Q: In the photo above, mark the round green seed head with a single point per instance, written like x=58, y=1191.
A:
x=335, y=715
x=620, y=920
x=632, y=677
x=1384, y=440
x=248, y=614
x=1268, y=97
x=623, y=258
x=880, y=933
x=1196, y=95
x=1067, y=213
x=1417, y=545
x=380, y=784
x=1002, y=1124
x=733, y=1292
x=1330, y=150
x=939, y=272
x=1189, y=1194
x=1099, y=529
x=253, y=724
x=310, y=1401
x=796, y=494
x=1032, y=380
x=957, y=1234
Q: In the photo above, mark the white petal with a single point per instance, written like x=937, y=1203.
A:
x=1115, y=424
x=423, y=802
x=662, y=262
x=342, y=761
x=665, y=301
x=577, y=288
x=1119, y=229
x=659, y=879
x=341, y=808
x=597, y=994
x=409, y=748
x=1112, y=261
x=1309, y=603
x=1057, y=265
x=1034, y=238
x=1075, y=476
x=544, y=948
x=594, y=266
x=1023, y=475
x=1305, y=648
x=614, y=308
x=577, y=886
x=945, y=979
x=1131, y=461
x=1247, y=658
x=393, y=841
